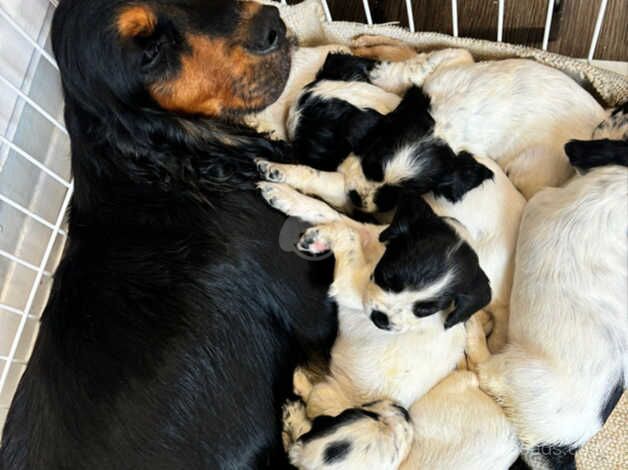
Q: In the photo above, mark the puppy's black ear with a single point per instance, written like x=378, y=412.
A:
x=362, y=124
x=467, y=303
x=587, y=154
x=412, y=209
x=346, y=68
x=463, y=173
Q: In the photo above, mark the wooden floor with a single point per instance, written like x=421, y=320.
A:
x=524, y=21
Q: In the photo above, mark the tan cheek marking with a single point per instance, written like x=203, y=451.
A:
x=210, y=80
x=136, y=20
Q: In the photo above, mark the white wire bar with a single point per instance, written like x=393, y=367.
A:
x=38, y=108
x=454, y=17
x=326, y=10
x=35, y=285
x=23, y=263
x=16, y=311
x=10, y=309
x=367, y=11
x=54, y=3
x=598, y=28
x=548, y=23
x=27, y=212
x=25, y=35
x=284, y=2
x=500, y=21
x=410, y=15
x=34, y=161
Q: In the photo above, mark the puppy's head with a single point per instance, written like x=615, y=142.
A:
x=207, y=57
x=376, y=435
x=428, y=274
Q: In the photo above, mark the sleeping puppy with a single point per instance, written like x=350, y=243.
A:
x=516, y=112
x=474, y=192
x=455, y=425
x=566, y=364
x=416, y=280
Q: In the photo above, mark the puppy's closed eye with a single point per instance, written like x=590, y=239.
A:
x=425, y=309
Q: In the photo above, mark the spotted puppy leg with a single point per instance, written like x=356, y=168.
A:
x=397, y=77
x=294, y=204
x=353, y=268
x=328, y=185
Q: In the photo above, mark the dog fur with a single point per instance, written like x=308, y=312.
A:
x=175, y=320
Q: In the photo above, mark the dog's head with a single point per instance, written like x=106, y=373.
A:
x=208, y=57
x=428, y=274
x=376, y=435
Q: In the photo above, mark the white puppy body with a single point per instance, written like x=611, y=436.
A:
x=568, y=333
x=456, y=425
x=518, y=112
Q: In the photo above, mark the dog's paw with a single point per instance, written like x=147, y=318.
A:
x=313, y=241
x=270, y=171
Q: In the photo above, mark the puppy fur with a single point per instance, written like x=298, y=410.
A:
x=416, y=289
x=566, y=362
x=474, y=192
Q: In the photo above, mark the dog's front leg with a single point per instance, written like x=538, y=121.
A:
x=330, y=186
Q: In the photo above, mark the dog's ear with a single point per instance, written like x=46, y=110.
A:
x=462, y=175
x=477, y=296
x=412, y=209
x=362, y=124
x=587, y=154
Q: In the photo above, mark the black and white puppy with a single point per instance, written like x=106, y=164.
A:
x=368, y=142
x=517, y=112
x=566, y=364
x=402, y=292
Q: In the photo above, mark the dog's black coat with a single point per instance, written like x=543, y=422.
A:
x=175, y=320
x=329, y=129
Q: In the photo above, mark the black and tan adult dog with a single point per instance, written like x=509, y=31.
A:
x=175, y=321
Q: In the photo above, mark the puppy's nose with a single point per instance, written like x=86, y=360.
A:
x=380, y=319
x=266, y=32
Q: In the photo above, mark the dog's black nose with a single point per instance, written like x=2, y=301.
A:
x=380, y=319
x=266, y=32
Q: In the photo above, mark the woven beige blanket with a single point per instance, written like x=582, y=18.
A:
x=608, y=450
